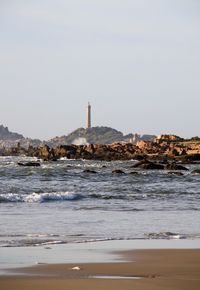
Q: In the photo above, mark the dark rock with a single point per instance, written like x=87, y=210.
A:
x=89, y=171
x=196, y=171
x=174, y=166
x=46, y=153
x=118, y=171
x=139, y=157
x=30, y=163
x=152, y=166
x=173, y=152
x=145, y=164
x=133, y=172
x=190, y=158
x=139, y=163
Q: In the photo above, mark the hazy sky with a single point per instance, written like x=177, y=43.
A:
x=136, y=61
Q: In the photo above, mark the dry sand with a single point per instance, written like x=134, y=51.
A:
x=159, y=269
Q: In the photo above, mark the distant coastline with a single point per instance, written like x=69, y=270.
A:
x=102, y=143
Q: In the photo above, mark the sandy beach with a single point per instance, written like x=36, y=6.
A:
x=144, y=269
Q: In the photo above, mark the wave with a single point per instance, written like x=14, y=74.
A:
x=85, y=239
x=40, y=197
x=107, y=196
x=165, y=235
x=119, y=196
x=30, y=243
x=105, y=208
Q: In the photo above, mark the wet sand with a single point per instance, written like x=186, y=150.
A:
x=157, y=269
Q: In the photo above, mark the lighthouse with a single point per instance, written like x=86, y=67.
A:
x=88, y=117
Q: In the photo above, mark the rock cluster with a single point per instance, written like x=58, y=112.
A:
x=184, y=152
x=92, y=151
x=146, y=164
x=127, y=151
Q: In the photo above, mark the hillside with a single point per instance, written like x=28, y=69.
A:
x=10, y=139
x=5, y=134
x=81, y=136
x=94, y=135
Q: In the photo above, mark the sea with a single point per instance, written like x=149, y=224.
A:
x=81, y=201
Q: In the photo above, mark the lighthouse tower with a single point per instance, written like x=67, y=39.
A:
x=88, y=117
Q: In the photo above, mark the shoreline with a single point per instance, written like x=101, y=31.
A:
x=143, y=269
x=90, y=252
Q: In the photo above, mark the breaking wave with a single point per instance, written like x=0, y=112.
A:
x=40, y=197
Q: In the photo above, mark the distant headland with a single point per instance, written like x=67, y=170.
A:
x=80, y=136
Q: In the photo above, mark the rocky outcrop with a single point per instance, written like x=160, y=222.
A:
x=174, y=166
x=196, y=171
x=118, y=171
x=89, y=171
x=30, y=163
x=189, y=158
x=46, y=153
x=146, y=164
x=159, y=155
x=97, y=143
x=149, y=155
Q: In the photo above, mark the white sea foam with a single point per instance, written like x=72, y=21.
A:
x=63, y=158
x=165, y=235
x=47, y=166
x=50, y=196
x=11, y=197
x=39, y=197
x=49, y=243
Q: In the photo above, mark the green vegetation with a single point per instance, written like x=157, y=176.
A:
x=193, y=139
x=103, y=135
x=196, y=138
x=94, y=135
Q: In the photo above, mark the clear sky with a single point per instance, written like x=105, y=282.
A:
x=136, y=61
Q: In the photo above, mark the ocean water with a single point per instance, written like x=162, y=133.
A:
x=59, y=203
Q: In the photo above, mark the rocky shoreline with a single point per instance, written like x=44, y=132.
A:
x=162, y=151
